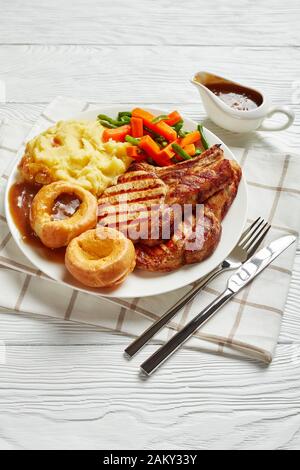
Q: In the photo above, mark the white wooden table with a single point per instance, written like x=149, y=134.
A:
x=66, y=385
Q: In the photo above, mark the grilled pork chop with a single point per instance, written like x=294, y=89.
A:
x=143, y=207
x=133, y=203
x=182, y=248
x=179, y=251
x=141, y=204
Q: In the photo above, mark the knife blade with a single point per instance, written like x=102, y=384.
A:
x=245, y=274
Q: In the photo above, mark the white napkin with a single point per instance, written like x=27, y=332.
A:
x=248, y=325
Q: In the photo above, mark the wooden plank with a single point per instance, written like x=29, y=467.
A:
x=146, y=74
x=88, y=397
x=189, y=22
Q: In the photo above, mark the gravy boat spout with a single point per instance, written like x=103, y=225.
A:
x=236, y=107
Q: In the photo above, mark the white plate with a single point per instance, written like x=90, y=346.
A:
x=139, y=283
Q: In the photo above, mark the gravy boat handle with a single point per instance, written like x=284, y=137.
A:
x=288, y=112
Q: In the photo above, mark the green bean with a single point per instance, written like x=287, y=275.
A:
x=107, y=124
x=114, y=122
x=160, y=140
x=177, y=127
x=182, y=153
x=198, y=152
x=182, y=133
x=132, y=140
x=125, y=120
x=123, y=114
x=159, y=118
x=153, y=133
x=203, y=138
x=157, y=137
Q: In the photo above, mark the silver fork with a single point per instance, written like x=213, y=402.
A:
x=248, y=243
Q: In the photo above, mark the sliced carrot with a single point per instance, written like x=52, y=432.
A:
x=160, y=128
x=190, y=149
x=152, y=149
x=166, y=131
x=165, y=156
x=190, y=138
x=149, y=146
x=134, y=152
x=141, y=113
x=173, y=118
x=136, y=127
x=169, y=149
x=117, y=134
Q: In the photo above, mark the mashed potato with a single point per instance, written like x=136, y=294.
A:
x=74, y=151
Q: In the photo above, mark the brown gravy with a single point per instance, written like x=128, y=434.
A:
x=236, y=96
x=65, y=206
x=20, y=200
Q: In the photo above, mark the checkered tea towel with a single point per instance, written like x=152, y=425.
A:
x=248, y=325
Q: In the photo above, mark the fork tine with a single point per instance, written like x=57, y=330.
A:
x=255, y=235
x=257, y=241
x=248, y=229
x=252, y=233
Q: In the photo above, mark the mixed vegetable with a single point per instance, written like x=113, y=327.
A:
x=159, y=139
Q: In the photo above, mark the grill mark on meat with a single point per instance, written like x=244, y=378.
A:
x=149, y=183
x=128, y=209
x=130, y=190
x=125, y=215
x=131, y=201
x=143, y=214
x=134, y=176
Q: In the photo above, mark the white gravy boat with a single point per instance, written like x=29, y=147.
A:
x=233, y=119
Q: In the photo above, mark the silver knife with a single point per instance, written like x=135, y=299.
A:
x=248, y=271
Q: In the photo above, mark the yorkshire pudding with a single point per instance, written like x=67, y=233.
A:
x=100, y=258
x=57, y=232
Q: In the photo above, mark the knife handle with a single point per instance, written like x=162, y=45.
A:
x=138, y=343
x=154, y=361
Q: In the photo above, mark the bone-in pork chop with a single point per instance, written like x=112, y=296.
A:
x=179, y=250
